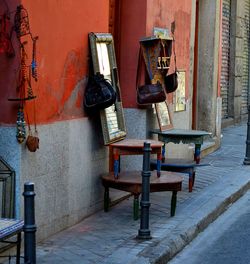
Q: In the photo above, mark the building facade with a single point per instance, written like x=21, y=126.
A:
x=71, y=157
x=235, y=61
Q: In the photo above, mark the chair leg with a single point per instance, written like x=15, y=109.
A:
x=173, y=203
x=136, y=206
x=18, y=248
x=193, y=177
x=106, y=199
x=190, y=181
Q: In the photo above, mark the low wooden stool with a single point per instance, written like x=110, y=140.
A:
x=131, y=181
x=180, y=165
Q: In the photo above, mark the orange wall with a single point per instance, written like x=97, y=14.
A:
x=62, y=51
x=145, y=16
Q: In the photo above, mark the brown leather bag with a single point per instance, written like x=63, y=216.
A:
x=148, y=93
x=32, y=143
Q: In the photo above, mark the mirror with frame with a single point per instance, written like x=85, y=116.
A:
x=163, y=116
x=104, y=62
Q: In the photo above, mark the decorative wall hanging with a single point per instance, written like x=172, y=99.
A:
x=27, y=72
x=20, y=125
x=21, y=21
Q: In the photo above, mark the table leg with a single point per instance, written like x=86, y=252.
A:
x=116, y=164
x=191, y=174
x=106, y=199
x=197, y=153
x=163, y=152
x=173, y=203
x=18, y=248
x=159, y=159
x=111, y=159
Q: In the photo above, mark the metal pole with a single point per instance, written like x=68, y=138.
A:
x=144, y=232
x=29, y=228
x=247, y=157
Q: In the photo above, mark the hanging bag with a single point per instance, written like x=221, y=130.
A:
x=148, y=93
x=99, y=93
x=171, y=80
x=32, y=141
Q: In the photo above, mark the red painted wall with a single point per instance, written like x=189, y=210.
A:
x=133, y=27
x=8, y=70
x=62, y=51
x=63, y=27
x=138, y=20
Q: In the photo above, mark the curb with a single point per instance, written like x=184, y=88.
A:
x=167, y=248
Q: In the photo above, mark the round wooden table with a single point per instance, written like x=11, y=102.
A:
x=131, y=181
x=132, y=147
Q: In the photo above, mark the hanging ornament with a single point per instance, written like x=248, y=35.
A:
x=20, y=125
x=34, y=63
x=21, y=22
x=32, y=141
x=25, y=79
x=27, y=71
x=30, y=91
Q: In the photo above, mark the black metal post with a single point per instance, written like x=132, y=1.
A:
x=144, y=232
x=247, y=157
x=29, y=228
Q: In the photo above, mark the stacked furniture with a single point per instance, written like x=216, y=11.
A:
x=131, y=181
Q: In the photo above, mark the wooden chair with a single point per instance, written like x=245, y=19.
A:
x=10, y=228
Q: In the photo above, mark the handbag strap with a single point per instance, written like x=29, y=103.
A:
x=139, y=64
x=175, y=67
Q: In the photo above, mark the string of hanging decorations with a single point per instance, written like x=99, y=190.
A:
x=27, y=70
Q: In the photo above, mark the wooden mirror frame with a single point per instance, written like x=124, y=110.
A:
x=163, y=113
x=115, y=111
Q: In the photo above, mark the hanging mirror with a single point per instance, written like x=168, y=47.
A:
x=163, y=116
x=104, y=62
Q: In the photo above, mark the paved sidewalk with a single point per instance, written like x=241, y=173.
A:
x=110, y=237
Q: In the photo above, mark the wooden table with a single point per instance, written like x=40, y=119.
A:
x=132, y=147
x=185, y=136
x=131, y=181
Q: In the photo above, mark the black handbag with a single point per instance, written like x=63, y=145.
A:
x=171, y=80
x=99, y=93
